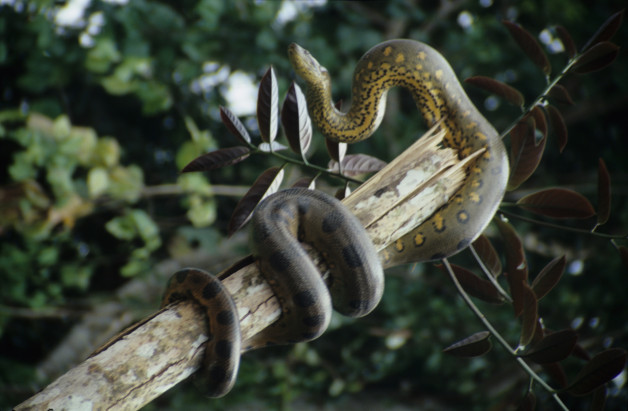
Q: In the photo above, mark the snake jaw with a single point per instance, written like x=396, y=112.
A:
x=307, y=67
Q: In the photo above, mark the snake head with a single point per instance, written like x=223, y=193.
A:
x=306, y=66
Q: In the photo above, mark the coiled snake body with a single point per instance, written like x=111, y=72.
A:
x=297, y=215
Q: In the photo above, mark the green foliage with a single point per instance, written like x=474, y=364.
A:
x=97, y=120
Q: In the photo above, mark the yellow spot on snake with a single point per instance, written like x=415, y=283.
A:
x=472, y=124
x=439, y=223
x=369, y=65
x=419, y=239
x=474, y=197
x=387, y=51
x=400, y=58
x=439, y=74
x=480, y=136
x=384, y=66
x=419, y=67
x=399, y=246
x=422, y=55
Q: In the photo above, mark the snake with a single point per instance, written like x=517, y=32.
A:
x=285, y=220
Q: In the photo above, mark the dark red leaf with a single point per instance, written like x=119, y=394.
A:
x=267, y=110
x=529, y=45
x=548, y=277
x=472, y=346
x=234, y=125
x=217, y=159
x=305, y=182
x=560, y=94
x=601, y=369
x=503, y=90
x=603, y=193
x=596, y=58
x=567, y=40
x=516, y=265
x=296, y=121
x=606, y=31
x=529, y=315
x=525, y=152
x=356, y=164
x=488, y=255
x=558, y=125
x=336, y=150
x=265, y=185
x=474, y=285
x=556, y=372
x=552, y=348
x=557, y=203
x=528, y=402
x=540, y=121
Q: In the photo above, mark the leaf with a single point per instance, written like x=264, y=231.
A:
x=529, y=45
x=553, y=347
x=265, y=185
x=296, y=122
x=217, y=159
x=525, y=153
x=557, y=203
x=234, y=125
x=559, y=127
x=305, y=182
x=596, y=58
x=567, y=41
x=474, y=285
x=601, y=369
x=503, y=90
x=516, y=265
x=267, y=110
x=606, y=31
x=272, y=147
x=540, y=121
x=356, y=164
x=556, y=372
x=529, y=315
x=472, y=346
x=488, y=255
x=336, y=150
x=560, y=94
x=548, y=277
x=603, y=193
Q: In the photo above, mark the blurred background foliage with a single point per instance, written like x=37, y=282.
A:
x=102, y=102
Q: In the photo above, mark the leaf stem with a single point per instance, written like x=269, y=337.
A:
x=562, y=227
x=499, y=337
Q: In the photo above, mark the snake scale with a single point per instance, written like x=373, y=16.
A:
x=289, y=217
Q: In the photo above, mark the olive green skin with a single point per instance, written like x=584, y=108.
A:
x=439, y=96
x=279, y=225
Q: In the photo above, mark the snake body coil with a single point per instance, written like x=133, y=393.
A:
x=439, y=96
x=291, y=216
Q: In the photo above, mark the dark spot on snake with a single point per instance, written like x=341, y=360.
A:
x=359, y=305
x=224, y=348
x=217, y=373
x=313, y=321
x=225, y=317
x=351, y=257
x=181, y=275
x=309, y=336
x=464, y=243
x=438, y=256
x=331, y=222
x=278, y=261
x=176, y=296
x=304, y=299
x=211, y=290
x=462, y=216
x=303, y=205
x=496, y=171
